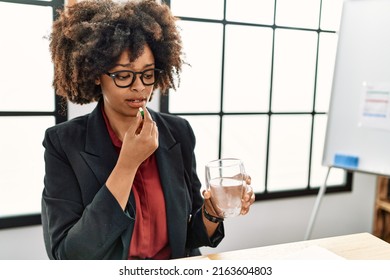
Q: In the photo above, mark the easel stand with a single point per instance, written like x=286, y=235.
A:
x=381, y=226
x=314, y=212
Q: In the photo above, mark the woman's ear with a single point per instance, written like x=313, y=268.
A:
x=97, y=81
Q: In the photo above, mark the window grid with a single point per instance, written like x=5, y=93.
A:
x=59, y=113
x=308, y=190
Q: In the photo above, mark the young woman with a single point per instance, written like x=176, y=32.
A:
x=120, y=183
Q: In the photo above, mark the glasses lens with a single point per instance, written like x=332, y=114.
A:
x=123, y=78
x=149, y=77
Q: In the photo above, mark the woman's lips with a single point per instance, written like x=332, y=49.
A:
x=136, y=103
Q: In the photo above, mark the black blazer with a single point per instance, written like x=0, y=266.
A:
x=82, y=220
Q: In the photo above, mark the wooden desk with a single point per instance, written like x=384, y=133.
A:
x=361, y=246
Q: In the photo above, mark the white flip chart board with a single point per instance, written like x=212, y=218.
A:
x=358, y=128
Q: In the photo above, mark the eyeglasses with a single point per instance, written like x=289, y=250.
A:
x=126, y=78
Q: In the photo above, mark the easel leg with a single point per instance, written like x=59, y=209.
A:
x=314, y=212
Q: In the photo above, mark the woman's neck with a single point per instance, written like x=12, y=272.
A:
x=119, y=123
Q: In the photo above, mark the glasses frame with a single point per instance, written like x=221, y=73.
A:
x=113, y=76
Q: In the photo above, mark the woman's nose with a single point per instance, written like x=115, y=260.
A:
x=138, y=85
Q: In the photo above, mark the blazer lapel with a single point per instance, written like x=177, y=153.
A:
x=99, y=154
x=171, y=170
x=101, y=157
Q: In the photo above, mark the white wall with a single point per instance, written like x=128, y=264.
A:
x=24, y=243
x=268, y=223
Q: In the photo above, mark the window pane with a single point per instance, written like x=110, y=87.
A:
x=206, y=129
x=331, y=14
x=298, y=13
x=26, y=70
x=318, y=171
x=23, y=170
x=253, y=11
x=247, y=69
x=245, y=137
x=200, y=85
x=294, y=70
x=289, y=152
x=326, y=61
x=198, y=8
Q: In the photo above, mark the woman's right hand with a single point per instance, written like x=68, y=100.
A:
x=137, y=146
x=140, y=140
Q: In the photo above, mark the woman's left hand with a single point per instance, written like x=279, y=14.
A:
x=248, y=198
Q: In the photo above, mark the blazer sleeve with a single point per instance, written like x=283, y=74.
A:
x=73, y=230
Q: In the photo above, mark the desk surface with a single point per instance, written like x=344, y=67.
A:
x=361, y=246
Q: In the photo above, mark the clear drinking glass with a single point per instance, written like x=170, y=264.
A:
x=225, y=179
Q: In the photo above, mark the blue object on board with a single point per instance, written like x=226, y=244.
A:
x=346, y=161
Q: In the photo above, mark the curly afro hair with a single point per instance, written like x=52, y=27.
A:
x=88, y=38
